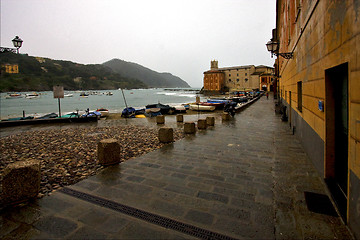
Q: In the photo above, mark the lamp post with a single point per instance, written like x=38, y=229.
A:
x=273, y=47
x=17, y=43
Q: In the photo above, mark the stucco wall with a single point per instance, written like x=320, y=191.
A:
x=322, y=35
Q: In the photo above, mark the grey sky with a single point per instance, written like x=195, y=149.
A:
x=180, y=37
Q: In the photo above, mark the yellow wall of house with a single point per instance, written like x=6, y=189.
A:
x=325, y=35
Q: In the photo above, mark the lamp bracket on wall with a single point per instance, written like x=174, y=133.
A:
x=288, y=55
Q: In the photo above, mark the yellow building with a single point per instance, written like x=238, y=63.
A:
x=10, y=68
x=236, y=78
x=320, y=85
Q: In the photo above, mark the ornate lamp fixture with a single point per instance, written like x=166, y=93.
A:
x=273, y=47
x=17, y=43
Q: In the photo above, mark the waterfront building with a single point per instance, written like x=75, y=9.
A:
x=320, y=86
x=10, y=68
x=238, y=78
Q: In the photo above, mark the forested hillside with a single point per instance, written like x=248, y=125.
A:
x=41, y=74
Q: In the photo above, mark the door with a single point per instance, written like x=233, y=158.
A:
x=337, y=130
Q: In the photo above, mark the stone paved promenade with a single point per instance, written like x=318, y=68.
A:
x=242, y=179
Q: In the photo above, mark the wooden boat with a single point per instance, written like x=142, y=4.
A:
x=104, y=112
x=198, y=107
x=216, y=105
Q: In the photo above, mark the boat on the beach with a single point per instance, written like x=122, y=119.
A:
x=217, y=105
x=14, y=95
x=104, y=112
x=47, y=116
x=68, y=95
x=198, y=107
x=18, y=119
x=32, y=95
x=70, y=115
x=180, y=109
x=164, y=109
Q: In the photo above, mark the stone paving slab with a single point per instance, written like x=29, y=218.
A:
x=244, y=179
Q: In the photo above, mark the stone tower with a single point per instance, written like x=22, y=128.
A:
x=214, y=65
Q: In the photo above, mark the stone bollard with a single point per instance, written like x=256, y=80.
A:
x=21, y=181
x=225, y=116
x=202, y=124
x=210, y=121
x=166, y=135
x=108, y=152
x=189, y=127
x=160, y=119
x=180, y=118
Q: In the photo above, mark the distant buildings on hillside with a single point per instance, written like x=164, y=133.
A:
x=9, y=68
x=238, y=78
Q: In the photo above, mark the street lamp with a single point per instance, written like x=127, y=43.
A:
x=17, y=43
x=273, y=47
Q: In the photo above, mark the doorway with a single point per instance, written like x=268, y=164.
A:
x=337, y=130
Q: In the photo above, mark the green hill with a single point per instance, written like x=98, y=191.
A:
x=41, y=74
x=148, y=76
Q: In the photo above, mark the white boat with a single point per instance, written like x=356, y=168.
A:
x=104, y=112
x=68, y=95
x=32, y=95
x=196, y=107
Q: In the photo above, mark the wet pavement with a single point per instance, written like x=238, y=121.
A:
x=241, y=179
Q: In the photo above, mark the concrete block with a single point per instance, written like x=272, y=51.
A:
x=160, y=119
x=180, y=118
x=21, y=181
x=108, y=151
x=210, y=121
x=225, y=116
x=166, y=135
x=189, y=127
x=202, y=124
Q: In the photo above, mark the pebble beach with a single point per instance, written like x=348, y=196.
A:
x=69, y=155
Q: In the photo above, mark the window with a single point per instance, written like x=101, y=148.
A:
x=245, y=74
x=246, y=79
x=229, y=80
x=299, y=94
x=237, y=80
x=229, y=75
x=237, y=74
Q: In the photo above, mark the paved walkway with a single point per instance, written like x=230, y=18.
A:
x=244, y=178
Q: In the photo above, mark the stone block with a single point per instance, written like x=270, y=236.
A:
x=166, y=135
x=180, y=118
x=225, y=116
x=210, y=121
x=189, y=127
x=108, y=151
x=160, y=119
x=202, y=124
x=21, y=181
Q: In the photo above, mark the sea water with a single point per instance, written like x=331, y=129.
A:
x=137, y=98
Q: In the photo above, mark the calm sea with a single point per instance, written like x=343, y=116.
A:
x=137, y=98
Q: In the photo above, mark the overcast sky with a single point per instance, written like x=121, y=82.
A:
x=180, y=37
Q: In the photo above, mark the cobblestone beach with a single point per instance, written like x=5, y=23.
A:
x=69, y=155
